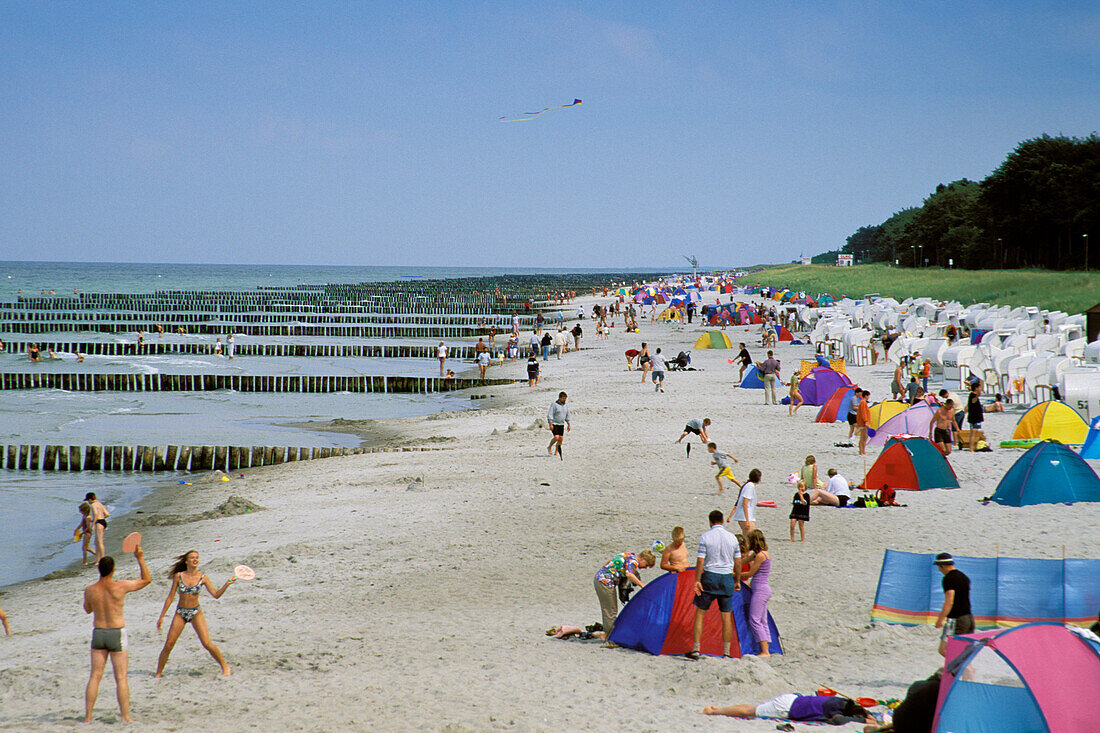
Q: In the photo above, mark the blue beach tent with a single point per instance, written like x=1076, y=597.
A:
x=1049, y=473
x=1091, y=448
x=752, y=379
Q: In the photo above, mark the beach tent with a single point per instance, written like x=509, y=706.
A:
x=911, y=421
x=911, y=463
x=782, y=333
x=825, y=300
x=835, y=408
x=1004, y=591
x=1007, y=681
x=658, y=619
x=1052, y=420
x=752, y=379
x=1049, y=473
x=820, y=384
x=883, y=411
x=1091, y=448
x=671, y=314
x=713, y=340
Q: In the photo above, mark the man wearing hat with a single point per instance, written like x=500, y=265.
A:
x=955, y=616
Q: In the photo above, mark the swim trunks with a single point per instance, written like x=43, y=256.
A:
x=726, y=472
x=689, y=429
x=111, y=640
x=961, y=625
x=103, y=522
x=557, y=429
x=716, y=587
x=777, y=707
x=942, y=436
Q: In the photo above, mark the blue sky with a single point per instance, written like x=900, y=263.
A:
x=367, y=134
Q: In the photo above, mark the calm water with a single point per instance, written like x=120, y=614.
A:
x=40, y=508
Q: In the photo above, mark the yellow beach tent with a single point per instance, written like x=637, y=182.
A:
x=885, y=410
x=713, y=340
x=1052, y=420
x=671, y=314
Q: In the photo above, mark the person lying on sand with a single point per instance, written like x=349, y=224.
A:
x=790, y=706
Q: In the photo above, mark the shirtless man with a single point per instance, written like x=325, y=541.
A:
x=105, y=600
x=99, y=517
x=941, y=426
x=674, y=558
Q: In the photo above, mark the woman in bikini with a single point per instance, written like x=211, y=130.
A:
x=188, y=582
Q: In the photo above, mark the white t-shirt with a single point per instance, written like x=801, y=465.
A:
x=748, y=491
x=658, y=362
x=441, y=352
x=719, y=550
x=838, y=486
x=483, y=358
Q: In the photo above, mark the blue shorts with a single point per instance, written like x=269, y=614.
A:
x=716, y=587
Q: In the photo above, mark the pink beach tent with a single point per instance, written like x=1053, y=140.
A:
x=912, y=421
x=1035, y=677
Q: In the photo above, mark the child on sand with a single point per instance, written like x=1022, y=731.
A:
x=800, y=510
x=4, y=621
x=85, y=529
x=674, y=558
x=725, y=469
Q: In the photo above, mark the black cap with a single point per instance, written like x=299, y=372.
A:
x=944, y=558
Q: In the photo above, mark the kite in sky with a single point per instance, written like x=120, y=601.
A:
x=532, y=115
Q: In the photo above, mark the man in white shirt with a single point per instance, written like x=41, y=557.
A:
x=744, y=511
x=835, y=493
x=717, y=578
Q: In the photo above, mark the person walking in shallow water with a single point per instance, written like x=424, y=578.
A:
x=99, y=514
x=188, y=582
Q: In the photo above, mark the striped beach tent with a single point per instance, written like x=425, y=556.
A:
x=659, y=618
x=835, y=408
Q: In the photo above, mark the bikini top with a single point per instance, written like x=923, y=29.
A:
x=191, y=590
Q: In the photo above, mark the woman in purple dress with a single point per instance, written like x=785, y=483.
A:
x=758, y=571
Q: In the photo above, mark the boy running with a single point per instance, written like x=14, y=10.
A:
x=725, y=467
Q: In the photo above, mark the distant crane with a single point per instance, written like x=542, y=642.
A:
x=694, y=264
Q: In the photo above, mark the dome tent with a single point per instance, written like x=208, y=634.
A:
x=1091, y=448
x=820, y=384
x=910, y=463
x=912, y=421
x=1049, y=473
x=713, y=340
x=1052, y=420
x=752, y=379
x=1003, y=681
x=835, y=408
x=883, y=411
x=659, y=618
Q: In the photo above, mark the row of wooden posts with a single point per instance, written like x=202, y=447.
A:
x=170, y=458
x=81, y=382
x=289, y=328
x=155, y=346
x=336, y=315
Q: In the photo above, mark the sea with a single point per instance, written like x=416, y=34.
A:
x=41, y=507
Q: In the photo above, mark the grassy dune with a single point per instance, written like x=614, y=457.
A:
x=1072, y=292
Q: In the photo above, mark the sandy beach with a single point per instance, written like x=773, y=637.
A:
x=410, y=590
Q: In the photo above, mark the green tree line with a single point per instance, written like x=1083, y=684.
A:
x=1038, y=209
